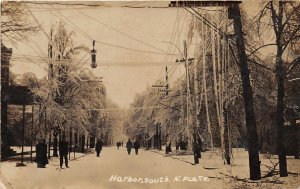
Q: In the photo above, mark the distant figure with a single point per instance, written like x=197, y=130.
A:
x=183, y=145
x=136, y=146
x=196, y=150
x=178, y=144
x=129, y=146
x=63, y=151
x=118, y=145
x=41, y=154
x=122, y=143
x=168, y=148
x=98, y=147
x=200, y=147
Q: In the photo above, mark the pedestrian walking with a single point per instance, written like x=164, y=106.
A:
x=136, y=146
x=41, y=154
x=129, y=146
x=122, y=143
x=98, y=147
x=63, y=151
x=118, y=145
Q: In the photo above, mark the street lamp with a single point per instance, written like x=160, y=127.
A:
x=93, y=54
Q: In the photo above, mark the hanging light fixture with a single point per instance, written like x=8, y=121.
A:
x=93, y=54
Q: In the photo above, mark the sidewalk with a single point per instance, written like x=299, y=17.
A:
x=53, y=165
x=4, y=184
x=238, y=171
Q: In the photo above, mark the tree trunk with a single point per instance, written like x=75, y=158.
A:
x=4, y=130
x=280, y=115
x=253, y=150
x=75, y=141
x=296, y=142
x=87, y=142
x=280, y=74
x=92, y=142
x=70, y=143
x=226, y=137
x=55, y=144
x=49, y=146
x=82, y=143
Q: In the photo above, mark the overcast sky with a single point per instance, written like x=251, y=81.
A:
x=144, y=29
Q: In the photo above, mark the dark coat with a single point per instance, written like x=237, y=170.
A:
x=63, y=148
x=196, y=149
x=136, y=145
x=99, y=145
x=129, y=145
x=41, y=153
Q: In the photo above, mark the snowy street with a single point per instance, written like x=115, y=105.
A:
x=148, y=169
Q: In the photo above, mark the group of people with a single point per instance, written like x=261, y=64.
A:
x=135, y=145
x=41, y=153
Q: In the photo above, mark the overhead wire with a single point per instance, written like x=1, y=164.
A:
x=118, y=31
x=170, y=70
x=104, y=43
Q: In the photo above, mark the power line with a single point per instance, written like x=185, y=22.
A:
x=118, y=31
x=206, y=22
x=108, y=44
x=94, y=5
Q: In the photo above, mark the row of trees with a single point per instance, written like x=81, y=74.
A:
x=71, y=99
x=215, y=87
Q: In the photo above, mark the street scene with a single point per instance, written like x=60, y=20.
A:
x=150, y=94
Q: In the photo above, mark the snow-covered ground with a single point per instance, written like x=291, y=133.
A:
x=115, y=169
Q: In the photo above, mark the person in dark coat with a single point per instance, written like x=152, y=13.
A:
x=177, y=145
x=63, y=151
x=196, y=150
x=136, y=146
x=200, y=147
x=168, y=148
x=41, y=154
x=122, y=143
x=129, y=146
x=98, y=147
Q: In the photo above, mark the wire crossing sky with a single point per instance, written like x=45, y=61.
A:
x=132, y=41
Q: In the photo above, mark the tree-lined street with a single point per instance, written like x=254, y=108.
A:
x=89, y=171
x=179, y=94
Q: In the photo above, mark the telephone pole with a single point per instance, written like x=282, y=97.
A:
x=253, y=149
x=187, y=92
x=188, y=96
x=234, y=13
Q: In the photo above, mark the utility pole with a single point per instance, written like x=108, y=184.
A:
x=253, y=149
x=196, y=119
x=166, y=86
x=167, y=82
x=234, y=13
x=188, y=115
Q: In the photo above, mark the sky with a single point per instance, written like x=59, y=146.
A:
x=142, y=29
